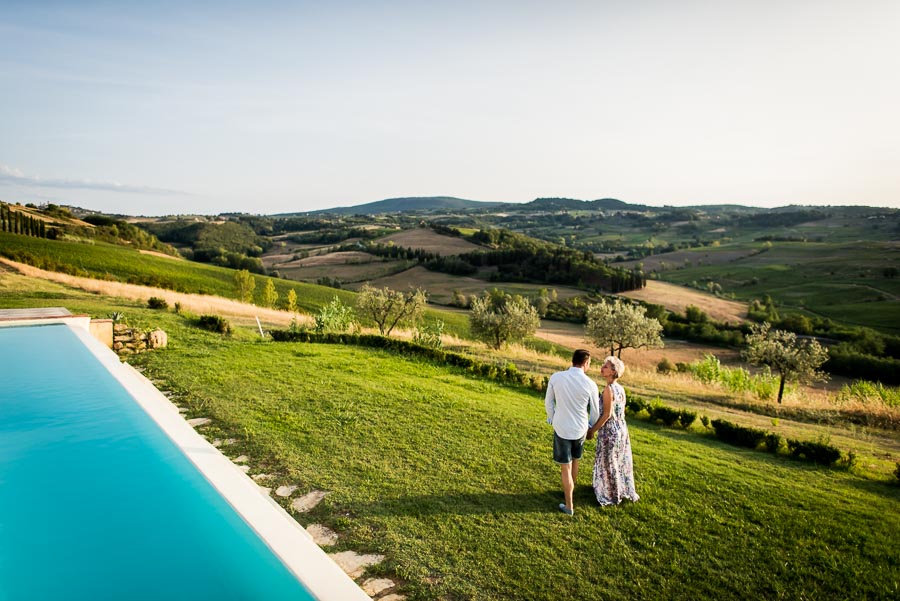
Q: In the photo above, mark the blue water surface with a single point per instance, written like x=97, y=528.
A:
x=97, y=503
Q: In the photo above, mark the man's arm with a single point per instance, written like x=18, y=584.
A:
x=550, y=402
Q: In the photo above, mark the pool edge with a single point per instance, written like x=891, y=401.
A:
x=296, y=549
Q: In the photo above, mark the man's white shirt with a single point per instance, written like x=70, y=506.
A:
x=572, y=403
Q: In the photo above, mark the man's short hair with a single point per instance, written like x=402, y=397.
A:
x=580, y=357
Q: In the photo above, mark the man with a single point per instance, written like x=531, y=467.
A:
x=573, y=405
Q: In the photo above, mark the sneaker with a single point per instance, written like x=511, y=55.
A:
x=566, y=510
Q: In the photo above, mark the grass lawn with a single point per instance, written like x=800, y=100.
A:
x=451, y=478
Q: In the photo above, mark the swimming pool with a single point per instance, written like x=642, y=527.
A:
x=98, y=502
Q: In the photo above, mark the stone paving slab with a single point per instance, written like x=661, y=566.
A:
x=393, y=597
x=322, y=535
x=308, y=501
x=285, y=491
x=241, y=459
x=353, y=563
x=376, y=586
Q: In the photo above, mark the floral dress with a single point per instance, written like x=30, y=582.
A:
x=613, y=466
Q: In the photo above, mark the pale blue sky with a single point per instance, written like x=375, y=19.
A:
x=269, y=107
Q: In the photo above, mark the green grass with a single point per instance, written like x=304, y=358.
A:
x=841, y=281
x=111, y=262
x=451, y=478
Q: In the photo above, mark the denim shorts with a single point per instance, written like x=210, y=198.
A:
x=564, y=450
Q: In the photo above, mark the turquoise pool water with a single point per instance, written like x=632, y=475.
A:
x=97, y=503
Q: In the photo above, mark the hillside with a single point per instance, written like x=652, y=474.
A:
x=399, y=205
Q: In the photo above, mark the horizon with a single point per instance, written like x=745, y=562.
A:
x=162, y=109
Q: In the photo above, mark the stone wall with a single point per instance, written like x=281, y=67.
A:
x=129, y=340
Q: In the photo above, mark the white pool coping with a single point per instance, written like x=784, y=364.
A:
x=287, y=539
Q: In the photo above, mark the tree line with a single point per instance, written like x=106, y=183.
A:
x=17, y=222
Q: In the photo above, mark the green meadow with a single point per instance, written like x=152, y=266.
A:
x=450, y=477
x=842, y=281
x=105, y=261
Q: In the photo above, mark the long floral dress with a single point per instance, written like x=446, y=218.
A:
x=613, y=465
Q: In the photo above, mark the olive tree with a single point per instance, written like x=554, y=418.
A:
x=498, y=318
x=618, y=325
x=793, y=359
x=389, y=308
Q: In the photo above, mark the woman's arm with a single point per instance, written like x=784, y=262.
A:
x=606, y=399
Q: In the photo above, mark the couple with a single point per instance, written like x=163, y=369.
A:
x=576, y=411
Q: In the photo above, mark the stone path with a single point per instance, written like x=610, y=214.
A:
x=353, y=563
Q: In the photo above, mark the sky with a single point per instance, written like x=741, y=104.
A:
x=156, y=108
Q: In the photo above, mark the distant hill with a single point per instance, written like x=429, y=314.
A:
x=572, y=204
x=413, y=203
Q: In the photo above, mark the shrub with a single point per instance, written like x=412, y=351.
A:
x=335, y=317
x=178, y=308
x=665, y=366
x=772, y=442
x=154, y=302
x=707, y=370
x=740, y=436
x=666, y=415
x=215, y=323
x=636, y=404
x=686, y=418
x=869, y=392
x=897, y=472
x=818, y=452
x=704, y=420
x=429, y=334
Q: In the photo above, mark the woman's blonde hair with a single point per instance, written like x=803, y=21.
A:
x=617, y=364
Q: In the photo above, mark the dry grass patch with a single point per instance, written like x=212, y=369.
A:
x=695, y=257
x=352, y=257
x=430, y=241
x=440, y=286
x=159, y=254
x=676, y=298
x=195, y=303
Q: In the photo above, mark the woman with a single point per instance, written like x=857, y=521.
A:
x=613, y=467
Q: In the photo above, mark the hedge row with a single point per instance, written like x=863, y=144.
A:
x=741, y=436
x=508, y=373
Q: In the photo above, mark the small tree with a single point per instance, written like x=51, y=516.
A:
x=270, y=295
x=618, y=325
x=498, y=318
x=244, y=284
x=389, y=308
x=291, y=302
x=781, y=351
x=335, y=317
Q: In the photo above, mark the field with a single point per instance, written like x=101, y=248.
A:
x=845, y=282
x=430, y=241
x=440, y=286
x=677, y=298
x=116, y=264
